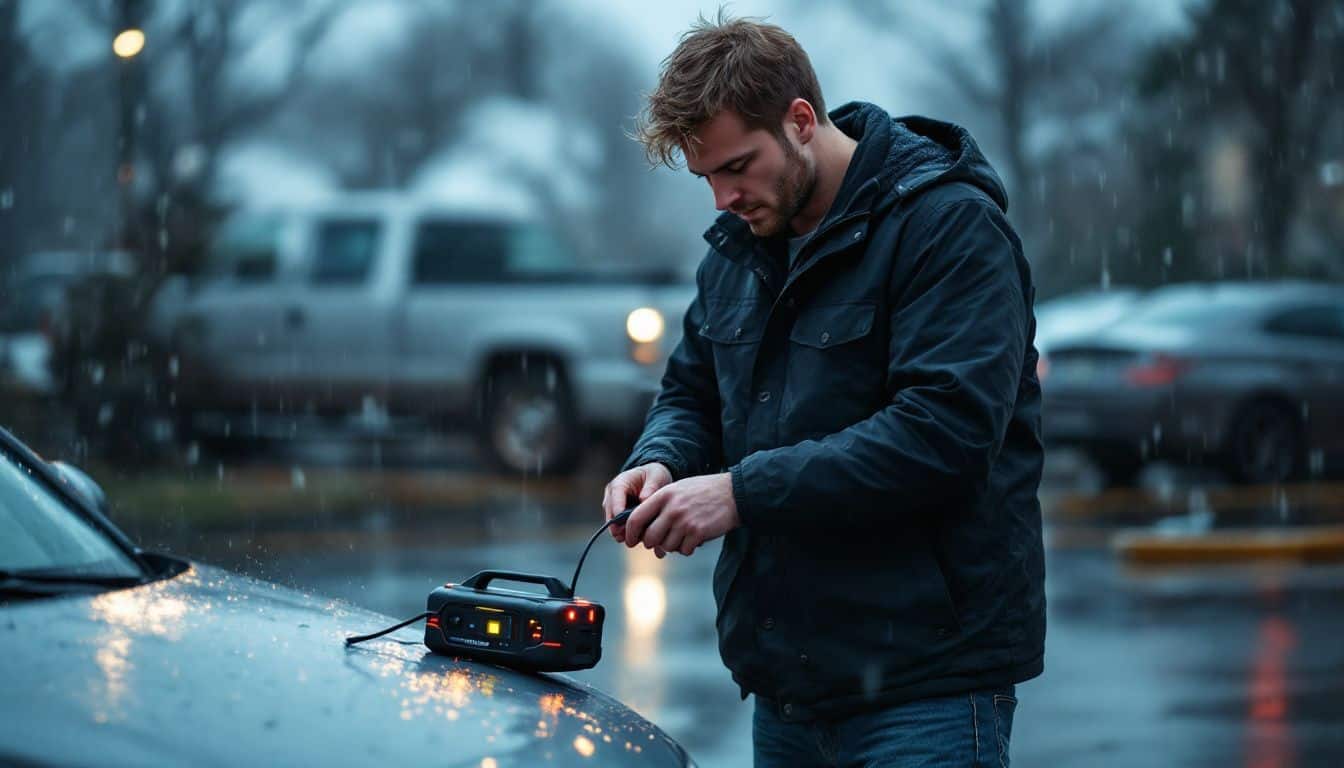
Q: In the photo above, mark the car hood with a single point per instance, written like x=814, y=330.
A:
x=213, y=668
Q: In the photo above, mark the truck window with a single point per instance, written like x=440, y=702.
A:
x=246, y=248
x=457, y=251
x=343, y=251
x=1321, y=321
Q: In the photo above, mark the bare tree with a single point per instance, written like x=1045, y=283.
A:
x=190, y=104
x=24, y=135
x=1274, y=68
x=1029, y=76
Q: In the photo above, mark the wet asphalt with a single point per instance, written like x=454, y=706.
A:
x=1208, y=665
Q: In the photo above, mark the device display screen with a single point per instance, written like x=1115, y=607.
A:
x=491, y=623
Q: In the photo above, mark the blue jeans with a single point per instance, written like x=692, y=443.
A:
x=969, y=729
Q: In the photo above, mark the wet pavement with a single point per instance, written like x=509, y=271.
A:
x=1181, y=666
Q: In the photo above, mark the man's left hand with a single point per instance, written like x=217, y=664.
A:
x=681, y=516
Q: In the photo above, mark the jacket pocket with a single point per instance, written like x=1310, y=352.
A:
x=831, y=325
x=899, y=611
x=837, y=369
x=733, y=321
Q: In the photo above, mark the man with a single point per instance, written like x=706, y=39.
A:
x=859, y=357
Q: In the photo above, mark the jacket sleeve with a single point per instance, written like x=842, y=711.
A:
x=683, y=428
x=959, y=325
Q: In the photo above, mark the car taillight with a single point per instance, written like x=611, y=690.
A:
x=1158, y=371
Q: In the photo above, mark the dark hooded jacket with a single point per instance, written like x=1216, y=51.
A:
x=878, y=408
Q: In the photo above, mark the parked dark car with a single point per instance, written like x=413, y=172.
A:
x=34, y=299
x=1247, y=375
x=111, y=655
x=1061, y=319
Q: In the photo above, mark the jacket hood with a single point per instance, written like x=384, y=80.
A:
x=898, y=156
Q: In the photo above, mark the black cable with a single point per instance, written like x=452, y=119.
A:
x=361, y=638
x=621, y=518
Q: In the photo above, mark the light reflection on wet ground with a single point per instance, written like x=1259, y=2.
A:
x=1190, y=666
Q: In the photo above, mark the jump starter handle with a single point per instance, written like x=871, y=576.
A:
x=554, y=586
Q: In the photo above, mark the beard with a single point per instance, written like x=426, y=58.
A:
x=792, y=190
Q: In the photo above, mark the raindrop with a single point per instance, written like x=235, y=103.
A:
x=1166, y=256
x=193, y=453
x=174, y=367
x=1188, y=210
x=105, y=413
x=7, y=198
x=96, y=373
x=297, y=479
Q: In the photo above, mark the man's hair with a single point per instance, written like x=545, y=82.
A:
x=743, y=65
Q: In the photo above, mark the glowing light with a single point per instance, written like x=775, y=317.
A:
x=645, y=604
x=551, y=703
x=489, y=762
x=584, y=746
x=644, y=325
x=129, y=43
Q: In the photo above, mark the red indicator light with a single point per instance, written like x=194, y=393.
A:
x=551, y=644
x=592, y=615
x=570, y=615
x=433, y=622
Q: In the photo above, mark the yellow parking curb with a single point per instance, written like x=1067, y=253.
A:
x=1315, y=544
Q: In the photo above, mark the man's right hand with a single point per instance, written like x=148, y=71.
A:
x=638, y=483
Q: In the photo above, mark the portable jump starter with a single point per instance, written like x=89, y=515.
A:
x=552, y=632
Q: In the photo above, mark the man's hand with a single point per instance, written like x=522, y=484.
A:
x=683, y=515
x=639, y=483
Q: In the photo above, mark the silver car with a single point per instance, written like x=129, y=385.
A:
x=1249, y=376
x=115, y=656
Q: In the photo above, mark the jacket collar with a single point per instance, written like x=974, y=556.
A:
x=895, y=158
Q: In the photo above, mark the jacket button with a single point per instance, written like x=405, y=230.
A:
x=788, y=710
x=764, y=397
x=802, y=658
x=825, y=337
x=768, y=623
x=737, y=334
x=858, y=234
x=761, y=274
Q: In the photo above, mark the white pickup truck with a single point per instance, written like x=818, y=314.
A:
x=458, y=318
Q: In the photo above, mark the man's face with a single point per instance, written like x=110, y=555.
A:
x=762, y=179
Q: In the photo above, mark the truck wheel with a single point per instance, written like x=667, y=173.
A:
x=1265, y=444
x=529, y=423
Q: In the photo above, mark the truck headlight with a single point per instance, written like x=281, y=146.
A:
x=644, y=325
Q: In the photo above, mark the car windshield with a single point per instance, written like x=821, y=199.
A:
x=1186, y=308
x=246, y=247
x=40, y=533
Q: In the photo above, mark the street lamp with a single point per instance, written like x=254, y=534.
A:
x=127, y=45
